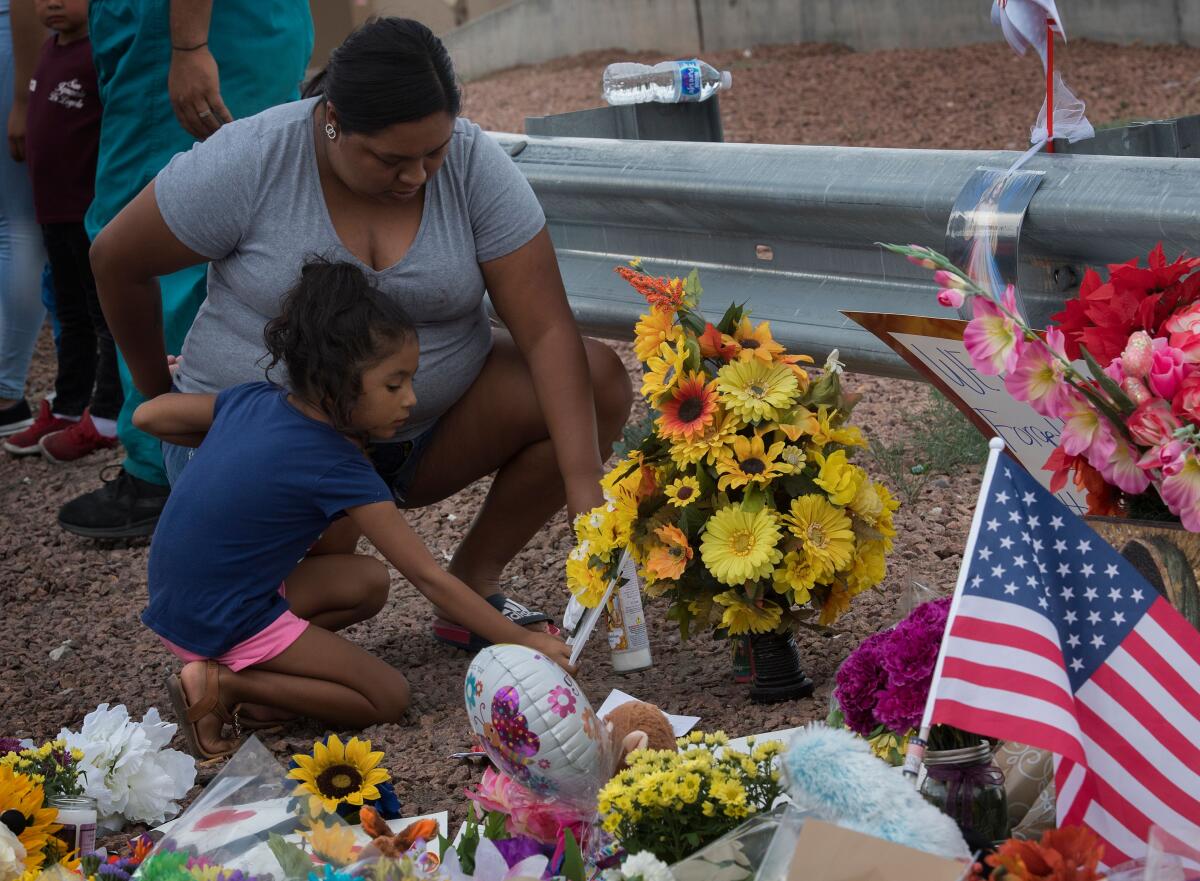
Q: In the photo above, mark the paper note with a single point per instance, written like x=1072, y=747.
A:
x=825, y=852
x=681, y=725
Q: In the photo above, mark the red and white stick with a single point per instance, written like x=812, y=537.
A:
x=1049, y=85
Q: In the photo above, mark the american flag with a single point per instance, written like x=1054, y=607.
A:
x=1054, y=640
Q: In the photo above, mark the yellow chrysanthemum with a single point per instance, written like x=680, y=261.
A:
x=756, y=390
x=19, y=793
x=869, y=568
x=747, y=461
x=867, y=504
x=839, y=478
x=797, y=575
x=653, y=329
x=335, y=774
x=683, y=492
x=663, y=369
x=671, y=557
x=741, y=617
x=824, y=531
x=827, y=433
x=711, y=444
x=739, y=546
x=586, y=582
x=754, y=342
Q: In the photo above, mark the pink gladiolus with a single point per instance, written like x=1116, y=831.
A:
x=1186, y=405
x=1152, y=424
x=1038, y=377
x=1181, y=493
x=950, y=298
x=1122, y=471
x=945, y=279
x=1084, y=430
x=1186, y=320
x=1167, y=371
x=992, y=339
x=1138, y=354
x=923, y=262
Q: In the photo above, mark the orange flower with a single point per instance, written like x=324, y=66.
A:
x=690, y=410
x=668, y=560
x=794, y=362
x=713, y=345
x=658, y=291
x=754, y=342
x=1068, y=854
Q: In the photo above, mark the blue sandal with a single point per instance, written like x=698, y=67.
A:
x=462, y=638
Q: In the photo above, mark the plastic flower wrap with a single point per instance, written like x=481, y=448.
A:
x=1131, y=423
x=736, y=496
x=127, y=767
x=673, y=803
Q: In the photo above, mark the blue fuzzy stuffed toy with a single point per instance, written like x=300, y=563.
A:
x=832, y=773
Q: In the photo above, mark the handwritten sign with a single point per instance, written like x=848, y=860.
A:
x=934, y=348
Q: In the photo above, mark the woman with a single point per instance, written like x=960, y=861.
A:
x=378, y=170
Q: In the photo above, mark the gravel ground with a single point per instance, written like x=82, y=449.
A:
x=56, y=587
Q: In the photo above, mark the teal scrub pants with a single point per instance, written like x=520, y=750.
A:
x=261, y=48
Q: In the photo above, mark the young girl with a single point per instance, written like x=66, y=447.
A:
x=256, y=629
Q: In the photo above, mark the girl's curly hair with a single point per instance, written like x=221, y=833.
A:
x=334, y=324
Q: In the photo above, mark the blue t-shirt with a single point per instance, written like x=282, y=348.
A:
x=264, y=485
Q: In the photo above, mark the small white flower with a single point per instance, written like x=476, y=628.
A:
x=596, y=520
x=581, y=550
x=793, y=455
x=12, y=855
x=832, y=364
x=647, y=867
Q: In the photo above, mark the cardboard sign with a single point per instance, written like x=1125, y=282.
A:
x=825, y=852
x=934, y=348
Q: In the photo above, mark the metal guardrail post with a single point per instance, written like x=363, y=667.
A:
x=791, y=229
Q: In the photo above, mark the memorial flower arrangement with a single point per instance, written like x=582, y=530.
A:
x=1131, y=423
x=343, y=778
x=27, y=827
x=52, y=765
x=672, y=803
x=737, y=496
x=1072, y=853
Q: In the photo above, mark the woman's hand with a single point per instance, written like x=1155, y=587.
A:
x=552, y=647
x=194, y=85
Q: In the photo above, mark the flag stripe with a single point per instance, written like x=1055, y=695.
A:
x=971, y=717
x=1162, y=686
x=1181, y=674
x=1183, y=634
x=999, y=699
x=1069, y=778
x=1016, y=659
x=1023, y=684
x=1119, y=842
x=995, y=631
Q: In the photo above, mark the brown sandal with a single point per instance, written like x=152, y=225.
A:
x=188, y=715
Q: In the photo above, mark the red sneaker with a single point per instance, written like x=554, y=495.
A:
x=75, y=442
x=25, y=443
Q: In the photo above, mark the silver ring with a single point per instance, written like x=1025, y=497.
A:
x=204, y=113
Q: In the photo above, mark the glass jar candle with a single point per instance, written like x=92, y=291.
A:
x=968, y=786
x=78, y=818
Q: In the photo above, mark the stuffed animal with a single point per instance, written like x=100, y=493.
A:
x=833, y=774
x=637, y=725
x=395, y=845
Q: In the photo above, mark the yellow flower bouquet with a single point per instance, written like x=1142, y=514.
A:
x=674, y=803
x=736, y=496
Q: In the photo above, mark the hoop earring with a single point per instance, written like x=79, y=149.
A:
x=330, y=131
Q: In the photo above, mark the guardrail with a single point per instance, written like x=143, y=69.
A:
x=791, y=230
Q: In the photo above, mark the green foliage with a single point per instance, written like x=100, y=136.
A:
x=572, y=867
x=634, y=436
x=294, y=862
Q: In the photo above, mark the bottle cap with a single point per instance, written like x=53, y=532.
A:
x=726, y=80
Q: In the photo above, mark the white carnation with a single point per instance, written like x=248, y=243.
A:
x=127, y=768
x=647, y=867
x=12, y=855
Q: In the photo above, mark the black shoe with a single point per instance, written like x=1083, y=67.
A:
x=16, y=418
x=125, y=507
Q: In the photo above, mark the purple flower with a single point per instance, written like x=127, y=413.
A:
x=9, y=745
x=516, y=849
x=912, y=649
x=859, y=681
x=900, y=707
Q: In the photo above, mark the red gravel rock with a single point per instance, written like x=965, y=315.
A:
x=56, y=586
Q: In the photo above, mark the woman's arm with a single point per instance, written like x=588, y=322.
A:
x=176, y=418
x=387, y=529
x=127, y=257
x=527, y=290
x=27, y=37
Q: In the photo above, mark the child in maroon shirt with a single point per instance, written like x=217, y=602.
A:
x=62, y=139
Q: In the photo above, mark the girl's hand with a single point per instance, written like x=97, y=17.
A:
x=173, y=362
x=552, y=647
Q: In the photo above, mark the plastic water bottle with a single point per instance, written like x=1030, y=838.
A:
x=668, y=82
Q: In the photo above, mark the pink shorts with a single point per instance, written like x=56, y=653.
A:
x=270, y=642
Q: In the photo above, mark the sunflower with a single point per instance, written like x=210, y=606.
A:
x=663, y=369
x=742, y=617
x=652, y=330
x=683, y=492
x=671, y=557
x=749, y=462
x=23, y=811
x=756, y=390
x=335, y=774
x=824, y=531
x=739, y=546
x=754, y=342
x=711, y=444
x=690, y=410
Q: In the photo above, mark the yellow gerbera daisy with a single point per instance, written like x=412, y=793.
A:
x=824, y=531
x=756, y=390
x=653, y=329
x=742, y=617
x=337, y=773
x=711, y=444
x=754, y=342
x=671, y=557
x=838, y=477
x=19, y=793
x=748, y=461
x=663, y=369
x=739, y=546
x=683, y=492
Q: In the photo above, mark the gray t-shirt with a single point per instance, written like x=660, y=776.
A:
x=249, y=198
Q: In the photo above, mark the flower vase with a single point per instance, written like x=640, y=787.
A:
x=966, y=785
x=775, y=669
